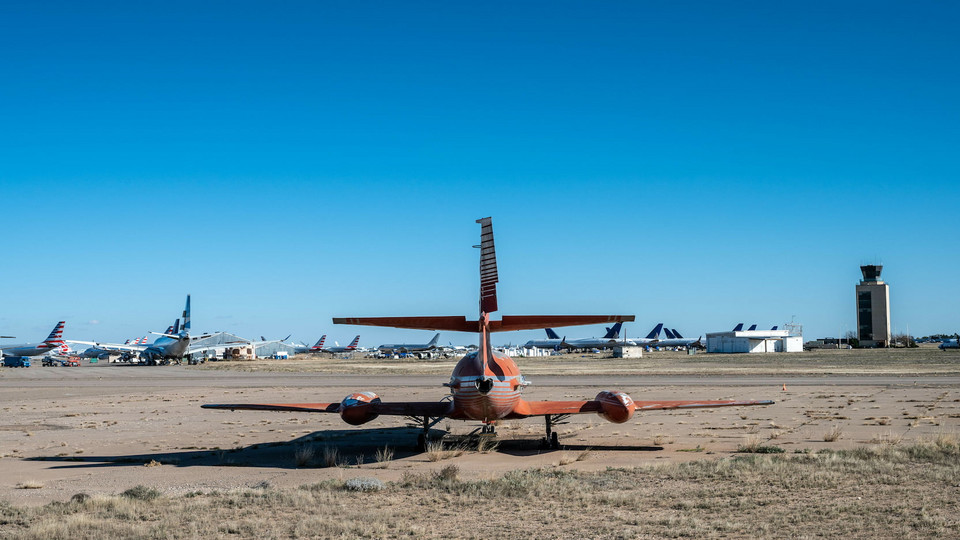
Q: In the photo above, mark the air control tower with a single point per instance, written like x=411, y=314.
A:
x=873, y=308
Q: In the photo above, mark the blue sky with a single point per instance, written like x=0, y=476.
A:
x=699, y=164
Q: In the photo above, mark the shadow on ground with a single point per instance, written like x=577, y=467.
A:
x=319, y=449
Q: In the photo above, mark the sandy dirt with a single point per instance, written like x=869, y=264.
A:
x=105, y=428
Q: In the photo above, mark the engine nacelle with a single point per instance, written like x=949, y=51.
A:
x=359, y=408
x=615, y=407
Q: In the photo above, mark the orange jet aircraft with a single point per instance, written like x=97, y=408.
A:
x=485, y=385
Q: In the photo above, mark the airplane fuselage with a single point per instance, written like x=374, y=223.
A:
x=28, y=349
x=485, y=395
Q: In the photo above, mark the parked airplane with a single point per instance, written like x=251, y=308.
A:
x=338, y=349
x=485, y=385
x=317, y=347
x=172, y=345
x=949, y=344
x=52, y=343
x=411, y=347
x=674, y=339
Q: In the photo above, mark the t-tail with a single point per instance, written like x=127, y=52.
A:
x=655, y=333
x=551, y=334
x=488, y=304
x=613, y=332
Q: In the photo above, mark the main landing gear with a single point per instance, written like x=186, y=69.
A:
x=424, y=423
x=551, y=440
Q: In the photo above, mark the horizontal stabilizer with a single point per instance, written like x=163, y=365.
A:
x=453, y=324
x=461, y=324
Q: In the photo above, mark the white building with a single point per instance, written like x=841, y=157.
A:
x=753, y=341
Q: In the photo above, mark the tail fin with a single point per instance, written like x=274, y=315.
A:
x=551, y=334
x=738, y=327
x=169, y=330
x=142, y=341
x=488, y=267
x=669, y=333
x=655, y=332
x=774, y=328
x=752, y=327
x=127, y=342
x=353, y=344
x=319, y=344
x=56, y=335
x=677, y=334
x=262, y=338
x=176, y=327
x=433, y=342
x=613, y=332
x=186, y=316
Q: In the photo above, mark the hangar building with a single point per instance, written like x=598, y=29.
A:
x=754, y=341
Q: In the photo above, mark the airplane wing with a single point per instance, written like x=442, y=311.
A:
x=110, y=346
x=399, y=408
x=543, y=408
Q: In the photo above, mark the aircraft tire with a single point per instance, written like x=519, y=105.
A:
x=554, y=441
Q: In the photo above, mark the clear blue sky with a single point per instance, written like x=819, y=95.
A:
x=696, y=163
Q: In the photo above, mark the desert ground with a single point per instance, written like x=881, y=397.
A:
x=836, y=427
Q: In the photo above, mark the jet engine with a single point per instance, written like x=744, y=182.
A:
x=359, y=408
x=615, y=407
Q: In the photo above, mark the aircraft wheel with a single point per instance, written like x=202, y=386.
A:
x=554, y=441
x=421, y=443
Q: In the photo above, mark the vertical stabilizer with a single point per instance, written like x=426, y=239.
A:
x=677, y=334
x=488, y=267
x=186, y=317
x=354, y=343
x=551, y=334
x=433, y=342
x=56, y=335
x=738, y=327
x=752, y=328
x=668, y=333
x=319, y=344
x=613, y=332
x=655, y=333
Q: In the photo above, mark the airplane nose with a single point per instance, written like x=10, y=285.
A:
x=484, y=386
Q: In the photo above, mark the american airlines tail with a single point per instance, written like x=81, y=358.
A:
x=319, y=344
x=56, y=336
x=353, y=344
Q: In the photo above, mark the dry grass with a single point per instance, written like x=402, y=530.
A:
x=892, y=491
x=29, y=484
x=833, y=434
x=383, y=456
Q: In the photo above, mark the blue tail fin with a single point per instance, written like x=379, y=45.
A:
x=668, y=333
x=613, y=332
x=738, y=327
x=551, y=334
x=752, y=327
x=176, y=327
x=186, y=316
x=655, y=333
x=677, y=334
x=774, y=328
